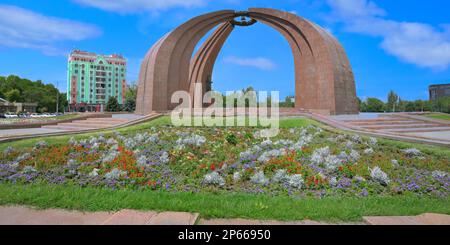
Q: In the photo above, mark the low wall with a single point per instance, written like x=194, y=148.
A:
x=54, y=122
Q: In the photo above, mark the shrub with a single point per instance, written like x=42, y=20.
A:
x=231, y=139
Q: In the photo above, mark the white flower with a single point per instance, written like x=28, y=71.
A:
x=109, y=156
x=236, y=176
x=280, y=176
x=22, y=157
x=267, y=155
x=266, y=144
x=373, y=141
x=40, y=145
x=130, y=143
x=395, y=163
x=246, y=155
x=438, y=174
x=368, y=151
x=141, y=161
x=93, y=140
x=284, y=142
x=340, y=137
x=94, y=172
x=319, y=155
x=214, y=179
x=259, y=178
x=378, y=175
x=111, y=141
x=95, y=146
x=412, y=152
x=28, y=170
x=152, y=139
x=331, y=139
x=332, y=162
x=295, y=181
x=354, y=155
x=356, y=138
x=8, y=150
x=349, y=144
x=164, y=158
x=333, y=182
x=72, y=163
x=72, y=141
x=192, y=140
x=114, y=147
x=115, y=174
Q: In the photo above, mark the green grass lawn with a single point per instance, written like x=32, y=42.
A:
x=220, y=205
x=439, y=116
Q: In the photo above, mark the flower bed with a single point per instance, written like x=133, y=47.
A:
x=299, y=162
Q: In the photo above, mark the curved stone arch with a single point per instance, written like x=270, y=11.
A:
x=202, y=63
x=323, y=76
x=167, y=62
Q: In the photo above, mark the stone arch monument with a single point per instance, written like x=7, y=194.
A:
x=324, y=80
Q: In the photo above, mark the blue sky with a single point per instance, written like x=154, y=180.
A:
x=402, y=45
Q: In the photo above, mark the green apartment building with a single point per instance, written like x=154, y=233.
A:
x=92, y=79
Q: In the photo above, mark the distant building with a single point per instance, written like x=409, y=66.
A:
x=438, y=91
x=92, y=79
x=14, y=107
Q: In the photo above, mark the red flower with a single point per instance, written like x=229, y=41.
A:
x=212, y=167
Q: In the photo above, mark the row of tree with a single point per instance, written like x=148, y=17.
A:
x=396, y=104
x=130, y=101
x=16, y=89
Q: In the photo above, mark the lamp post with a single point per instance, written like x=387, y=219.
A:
x=57, y=97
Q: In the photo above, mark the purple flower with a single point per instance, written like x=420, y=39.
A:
x=364, y=193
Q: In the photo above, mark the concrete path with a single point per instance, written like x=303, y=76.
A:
x=88, y=125
x=18, y=215
x=268, y=222
x=423, y=219
x=27, y=131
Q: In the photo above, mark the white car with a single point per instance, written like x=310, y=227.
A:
x=35, y=115
x=11, y=115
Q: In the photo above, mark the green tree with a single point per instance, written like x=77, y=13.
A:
x=374, y=105
x=130, y=105
x=442, y=104
x=32, y=92
x=130, y=98
x=112, y=105
x=288, y=102
x=13, y=95
x=392, y=101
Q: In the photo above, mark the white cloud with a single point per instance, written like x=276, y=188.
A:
x=416, y=43
x=21, y=28
x=259, y=62
x=134, y=6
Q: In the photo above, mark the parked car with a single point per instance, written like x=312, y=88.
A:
x=47, y=115
x=23, y=115
x=2, y=115
x=35, y=115
x=11, y=115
